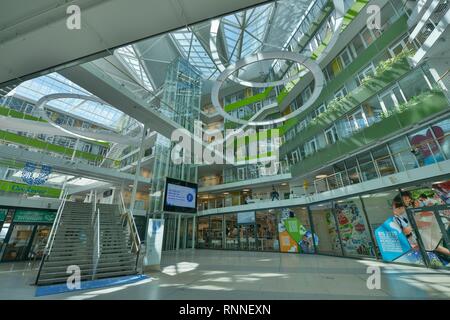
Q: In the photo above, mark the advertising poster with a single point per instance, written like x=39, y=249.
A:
x=391, y=241
x=392, y=235
x=154, y=241
x=293, y=236
x=354, y=234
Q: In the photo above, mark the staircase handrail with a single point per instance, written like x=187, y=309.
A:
x=97, y=245
x=51, y=237
x=94, y=207
x=133, y=229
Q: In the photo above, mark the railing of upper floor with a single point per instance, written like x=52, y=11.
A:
x=243, y=173
x=377, y=167
x=437, y=150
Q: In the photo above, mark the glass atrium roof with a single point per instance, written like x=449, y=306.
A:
x=191, y=48
x=130, y=59
x=35, y=89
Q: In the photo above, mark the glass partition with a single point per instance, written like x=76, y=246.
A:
x=216, y=228
x=231, y=232
x=429, y=206
x=203, y=232
x=324, y=224
x=392, y=229
x=294, y=230
x=266, y=231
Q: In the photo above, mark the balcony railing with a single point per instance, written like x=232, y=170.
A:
x=382, y=166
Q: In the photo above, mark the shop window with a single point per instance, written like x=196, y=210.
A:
x=216, y=232
x=203, y=232
x=294, y=231
x=267, y=235
x=392, y=229
x=428, y=205
x=353, y=228
x=324, y=225
x=231, y=231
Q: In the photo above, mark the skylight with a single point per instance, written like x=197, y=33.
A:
x=194, y=52
x=35, y=89
x=130, y=59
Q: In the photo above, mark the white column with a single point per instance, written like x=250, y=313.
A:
x=138, y=171
x=178, y=231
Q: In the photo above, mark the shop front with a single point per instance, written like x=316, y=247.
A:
x=24, y=233
x=407, y=225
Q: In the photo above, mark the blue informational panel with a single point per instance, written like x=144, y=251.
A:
x=154, y=241
x=391, y=240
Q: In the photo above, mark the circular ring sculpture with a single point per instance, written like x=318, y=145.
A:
x=215, y=56
x=214, y=30
x=45, y=99
x=310, y=64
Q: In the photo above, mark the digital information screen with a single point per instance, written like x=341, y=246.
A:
x=180, y=196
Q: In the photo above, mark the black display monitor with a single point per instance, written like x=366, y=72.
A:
x=180, y=196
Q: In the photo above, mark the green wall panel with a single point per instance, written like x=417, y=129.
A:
x=396, y=29
x=425, y=106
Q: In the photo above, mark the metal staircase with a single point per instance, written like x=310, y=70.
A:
x=101, y=239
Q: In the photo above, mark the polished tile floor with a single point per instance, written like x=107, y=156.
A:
x=213, y=274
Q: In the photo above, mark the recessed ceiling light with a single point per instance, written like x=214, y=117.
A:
x=226, y=193
x=321, y=176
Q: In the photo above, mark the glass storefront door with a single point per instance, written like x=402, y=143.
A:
x=39, y=241
x=247, y=237
x=324, y=225
x=433, y=229
x=18, y=243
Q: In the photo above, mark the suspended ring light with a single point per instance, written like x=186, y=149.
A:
x=311, y=65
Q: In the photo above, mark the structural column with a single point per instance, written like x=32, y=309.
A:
x=138, y=170
x=194, y=231
x=178, y=231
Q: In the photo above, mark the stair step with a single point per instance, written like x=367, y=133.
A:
x=101, y=275
x=82, y=259
x=88, y=268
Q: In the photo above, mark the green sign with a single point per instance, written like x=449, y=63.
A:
x=34, y=216
x=3, y=213
x=8, y=186
x=295, y=229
